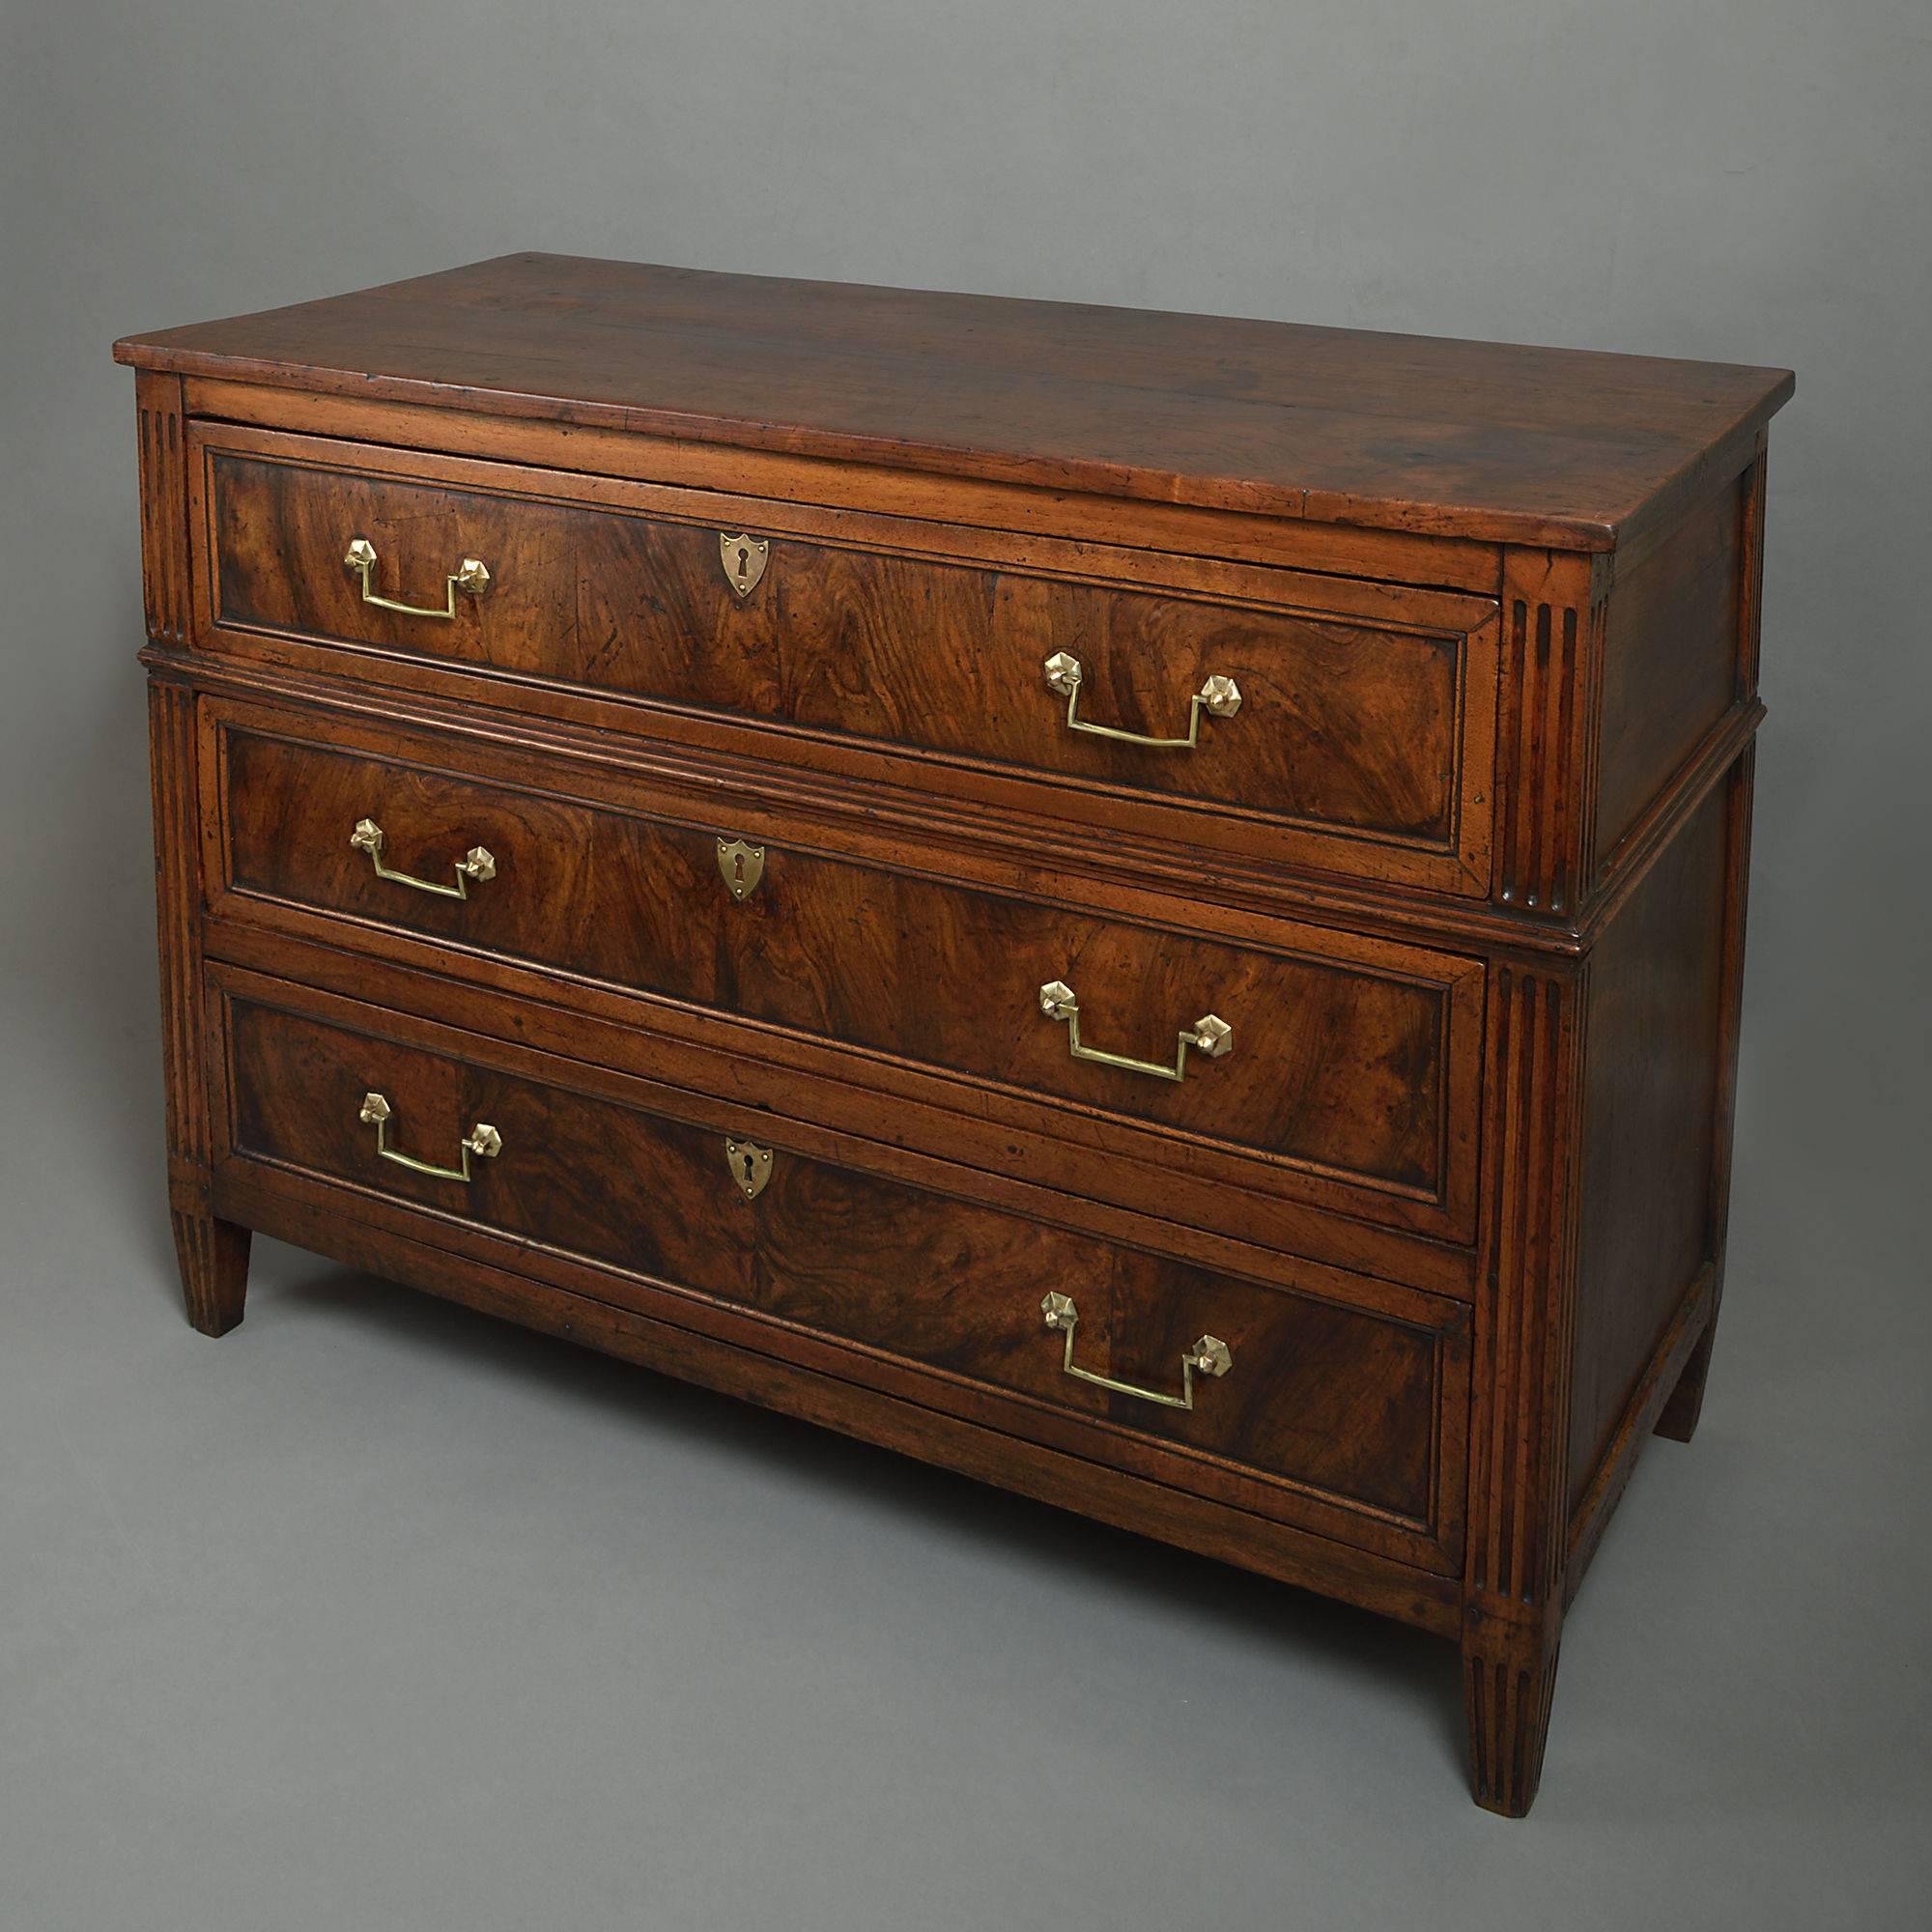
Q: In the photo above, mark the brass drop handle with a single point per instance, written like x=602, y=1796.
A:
x=1209, y=1356
x=475, y=863
x=1211, y=1034
x=1220, y=696
x=482, y=1140
x=471, y=577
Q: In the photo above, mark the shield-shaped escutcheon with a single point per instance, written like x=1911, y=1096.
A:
x=742, y=865
x=744, y=558
x=750, y=1166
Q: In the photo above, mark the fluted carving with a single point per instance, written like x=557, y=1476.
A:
x=1508, y=1698
x=213, y=1254
x=1545, y=736
x=213, y=1258
x=164, y=507
x=1520, y=1424
x=1526, y=1317
x=177, y=897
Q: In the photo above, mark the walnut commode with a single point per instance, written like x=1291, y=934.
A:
x=643, y=760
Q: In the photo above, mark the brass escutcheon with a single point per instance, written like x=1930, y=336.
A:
x=742, y=867
x=749, y=1166
x=744, y=558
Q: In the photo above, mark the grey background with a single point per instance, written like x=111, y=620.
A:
x=375, y=1615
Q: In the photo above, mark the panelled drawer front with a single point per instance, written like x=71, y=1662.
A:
x=1343, y=1403
x=1350, y=1077
x=1362, y=739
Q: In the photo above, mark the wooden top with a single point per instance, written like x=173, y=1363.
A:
x=1480, y=440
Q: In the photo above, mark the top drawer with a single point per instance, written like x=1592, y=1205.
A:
x=1278, y=715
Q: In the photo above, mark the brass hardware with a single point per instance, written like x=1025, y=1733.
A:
x=1209, y=1356
x=744, y=558
x=471, y=577
x=750, y=1166
x=475, y=863
x=742, y=865
x=1220, y=696
x=1211, y=1034
x=483, y=1139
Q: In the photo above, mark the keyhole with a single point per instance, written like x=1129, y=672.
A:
x=738, y=868
x=748, y=1169
x=744, y=563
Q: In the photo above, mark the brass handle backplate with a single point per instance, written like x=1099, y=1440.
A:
x=475, y=863
x=1209, y=1356
x=482, y=1140
x=471, y=577
x=1219, y=697
x=1209, y=1035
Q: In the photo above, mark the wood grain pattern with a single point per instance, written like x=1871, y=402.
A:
x=1467, y=874
x=1487, y=439
x=1623, y=1284
x=1347, y=725
x=319, y=1219
x=810, y=483
x=1341, y=1061
x=1671, y=658
x=1680, y=1416
x=1684, y=1341
x=585, y=746
x=1657, y=989
x=1334, y=1398
x=1039, y=1160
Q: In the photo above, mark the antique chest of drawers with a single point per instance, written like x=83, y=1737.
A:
x=1146, y=907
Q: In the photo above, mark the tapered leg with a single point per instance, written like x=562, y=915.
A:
x=213, y=1254
x=1508, y=1676
x=213, y=1257
x=1517, y=1542
x=1679, y=1420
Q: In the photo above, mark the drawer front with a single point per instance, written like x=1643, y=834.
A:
x=1299, y=717
x=1308, y=1402
x=1332, y=1069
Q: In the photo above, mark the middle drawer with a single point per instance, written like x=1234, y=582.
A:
x=1324, y=1066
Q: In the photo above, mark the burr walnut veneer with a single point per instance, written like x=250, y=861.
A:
x=1147, y=907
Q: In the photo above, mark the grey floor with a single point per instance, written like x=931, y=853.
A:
x=378, y=1614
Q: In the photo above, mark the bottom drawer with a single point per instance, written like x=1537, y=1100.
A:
x=1296, y=1404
